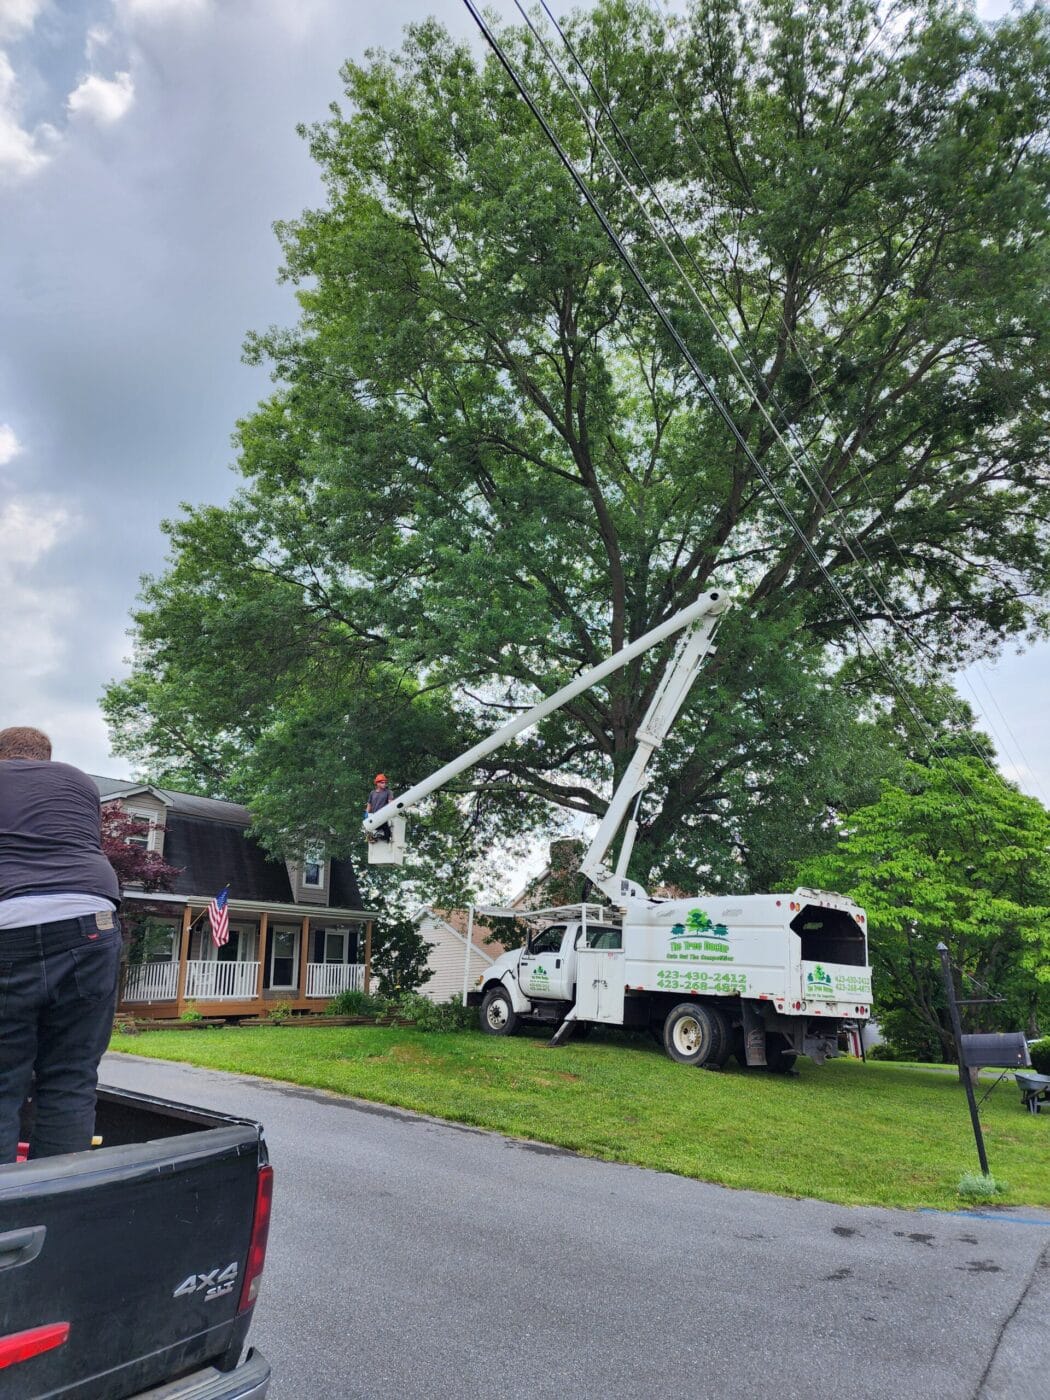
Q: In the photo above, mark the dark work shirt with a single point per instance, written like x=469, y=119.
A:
x=377, y=800
x=51, y=832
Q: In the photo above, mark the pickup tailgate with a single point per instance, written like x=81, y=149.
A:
x=140, y=1248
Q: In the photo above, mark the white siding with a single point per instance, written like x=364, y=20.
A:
x=446, y=961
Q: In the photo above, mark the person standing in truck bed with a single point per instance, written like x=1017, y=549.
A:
x=59, y=946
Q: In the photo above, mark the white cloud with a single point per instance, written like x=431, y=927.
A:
x=103, y=100
x=22, y=152
x=18, y=16
x=33, y=616
x=10, y=447
x=98, y=38
x=159, y=11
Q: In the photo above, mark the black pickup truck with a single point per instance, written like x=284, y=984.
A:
x=132, y=1270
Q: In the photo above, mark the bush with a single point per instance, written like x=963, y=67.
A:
x=1040, y=1053
x=191, y=1013
x=429, y=1015
x=975, y=1187
x=883, y=1051
x=280, y=1011
x=354, y=1002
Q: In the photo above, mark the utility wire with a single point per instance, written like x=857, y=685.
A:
x=845, y=531
x=885, y=522
x=672, y=330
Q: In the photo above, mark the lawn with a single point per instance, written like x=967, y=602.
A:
x=881, y=1134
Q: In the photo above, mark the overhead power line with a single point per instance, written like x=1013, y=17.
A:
x=669, y=326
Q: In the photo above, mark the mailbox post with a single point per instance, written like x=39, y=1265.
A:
x=953, y=1011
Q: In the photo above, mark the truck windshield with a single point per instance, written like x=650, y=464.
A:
x=830, y=935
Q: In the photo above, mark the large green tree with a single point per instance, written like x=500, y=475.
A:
x=485, y=464
x=958, y=855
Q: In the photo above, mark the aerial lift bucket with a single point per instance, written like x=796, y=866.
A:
x=390, y=852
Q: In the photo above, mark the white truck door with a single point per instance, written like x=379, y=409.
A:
x=544, y=969
x=600, y=977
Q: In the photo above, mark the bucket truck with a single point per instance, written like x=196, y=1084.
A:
x=766, y=977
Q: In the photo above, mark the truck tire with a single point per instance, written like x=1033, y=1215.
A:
x=780, y=1058
x=694, y=1034
x=498, y=1016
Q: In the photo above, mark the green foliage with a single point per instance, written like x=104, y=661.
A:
x=976, y=1186
x=190, y=1013
x=146, y=935
x=884, y=1051
x=485, y=467
x=354, y=1002
x=427, y=1015
x=1040, y=1055
x=955, y=854
x=280, y=1011
x=399, y=958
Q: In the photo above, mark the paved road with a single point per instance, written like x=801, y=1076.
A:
x=411, y=1258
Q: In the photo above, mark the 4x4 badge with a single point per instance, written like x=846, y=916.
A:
x=214, y=1285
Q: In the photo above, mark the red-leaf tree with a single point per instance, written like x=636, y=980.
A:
x=135, y=864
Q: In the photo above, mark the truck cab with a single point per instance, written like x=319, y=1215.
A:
x=539, y=979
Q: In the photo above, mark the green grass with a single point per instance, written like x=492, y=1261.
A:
x=875, y=1134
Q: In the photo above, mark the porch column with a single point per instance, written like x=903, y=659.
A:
x=264, y=934
x=184, y=957
x=368, y=957
x=304, y=954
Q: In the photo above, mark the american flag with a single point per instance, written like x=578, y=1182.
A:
x=218, y=916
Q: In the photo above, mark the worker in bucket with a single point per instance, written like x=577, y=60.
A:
x=377, y=800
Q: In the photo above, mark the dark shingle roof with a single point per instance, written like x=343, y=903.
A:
x=205, y=838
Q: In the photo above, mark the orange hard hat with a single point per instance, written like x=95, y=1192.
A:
x=380, y=777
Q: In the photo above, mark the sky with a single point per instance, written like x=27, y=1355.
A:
x=146, y=148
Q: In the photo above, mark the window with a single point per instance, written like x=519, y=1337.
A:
x=313, y=868
x=335, y=945
x=548, y=940
x=146, y=838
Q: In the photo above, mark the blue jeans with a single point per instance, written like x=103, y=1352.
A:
x=58, y=993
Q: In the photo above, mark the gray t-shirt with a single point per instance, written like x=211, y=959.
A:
x=50, y=832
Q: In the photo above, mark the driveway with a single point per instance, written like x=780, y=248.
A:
x=410, y=1257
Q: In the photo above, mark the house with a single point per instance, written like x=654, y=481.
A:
x=298, y=933
x=446, y=932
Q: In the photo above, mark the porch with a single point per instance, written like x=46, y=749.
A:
x=269, y=959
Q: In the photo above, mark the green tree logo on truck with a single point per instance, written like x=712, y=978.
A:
x=699, y=922
x=818, y=983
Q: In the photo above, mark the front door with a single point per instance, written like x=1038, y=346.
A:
x=543, y=969
x=284, y=959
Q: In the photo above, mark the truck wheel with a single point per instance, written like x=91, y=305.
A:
x=694, y=1034
x=779, y=1058
x=498, y=1017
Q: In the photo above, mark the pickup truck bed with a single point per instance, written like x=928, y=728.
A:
x=132, y=1270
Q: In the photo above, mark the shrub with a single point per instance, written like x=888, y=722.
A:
x=1040, y=1053
x=280, y=1011
x=883, y=1051
x=429, y=1015
x=354, y=1002
x=191, y=1013
x=975, y=1187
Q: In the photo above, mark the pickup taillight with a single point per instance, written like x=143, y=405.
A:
x=21, y=1346
x=260, y=1233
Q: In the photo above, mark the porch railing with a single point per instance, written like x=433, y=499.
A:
x=157, y=981
x=329, y=979
x=221, y=981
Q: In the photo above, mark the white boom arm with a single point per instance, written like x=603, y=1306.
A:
x=702, y=618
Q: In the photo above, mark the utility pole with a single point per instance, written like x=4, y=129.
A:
x=953, y=1011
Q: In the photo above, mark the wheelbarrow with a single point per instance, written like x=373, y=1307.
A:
x=1035, y=1089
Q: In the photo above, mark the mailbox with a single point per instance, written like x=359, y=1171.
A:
x=1005, y=1051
